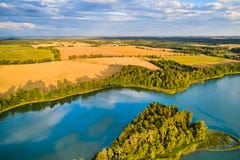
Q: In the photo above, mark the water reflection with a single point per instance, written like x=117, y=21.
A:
x=100, y=127
x=79, y=126
x=36, y=107
x=108, y=100
x=70, y=146
x=88, y=100
x=38, y=126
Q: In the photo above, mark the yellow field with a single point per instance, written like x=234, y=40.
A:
x=230, y=45
x=200, y=60
x=120, y=61
x=50, y=73
x=110, y=50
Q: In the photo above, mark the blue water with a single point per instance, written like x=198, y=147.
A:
x=81, y=126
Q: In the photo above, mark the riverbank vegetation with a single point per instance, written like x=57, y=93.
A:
x=171, y=77
x=163, y=132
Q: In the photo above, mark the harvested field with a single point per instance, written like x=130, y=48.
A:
x=56, y=44
x=110, y=50
x=230, y=45
x=201, y=60
x=120, y=61
x=18, y=75
x=50, y=73
x=51, y=44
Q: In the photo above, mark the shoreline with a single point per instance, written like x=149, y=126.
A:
x=166, y=91
x=196, y=147
x=233, y=145
x=193, y=148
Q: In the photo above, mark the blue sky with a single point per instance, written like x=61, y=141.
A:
x=119, y=17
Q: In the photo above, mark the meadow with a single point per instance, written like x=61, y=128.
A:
x=198, y=60
x=23, y=54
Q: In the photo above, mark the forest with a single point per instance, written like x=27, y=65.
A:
x=171, y=77
x=162, y=132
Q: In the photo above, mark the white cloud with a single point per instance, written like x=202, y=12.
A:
x=116, y=13
x=5, y=5
x=74, y=13
x=228, y=9
x=48, y=2
x=108, y=100
x=233, y=14
x=118, y=16
x=228, y=1
x=215, y=5
x=17, y=26
x=100, y=1
x=156, y=4
x=166, y=3
x=39, y=128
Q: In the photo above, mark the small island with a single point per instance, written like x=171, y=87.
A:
x=163, y=132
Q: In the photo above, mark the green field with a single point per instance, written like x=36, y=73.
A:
x=20, y=54
x=198, y=60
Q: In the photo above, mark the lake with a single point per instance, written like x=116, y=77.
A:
x=80, y=126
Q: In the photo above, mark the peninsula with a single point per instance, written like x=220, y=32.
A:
x=163, y=132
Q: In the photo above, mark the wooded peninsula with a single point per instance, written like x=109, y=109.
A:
x=163, y=132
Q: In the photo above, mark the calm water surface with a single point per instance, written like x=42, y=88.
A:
x=81, y=126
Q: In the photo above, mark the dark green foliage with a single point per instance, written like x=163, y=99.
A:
x=158, y=132
x=27, y=61
x=201, y=40
x=92, y=56
x=235, y=50
x=211, y=51
x=170, y=75
x=236, y=53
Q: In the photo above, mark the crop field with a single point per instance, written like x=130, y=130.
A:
x=22, y=54
x=110, y=50
x=51, y=72
x=230, y=45
x=198, y=60
x=120, y=61
x=119, y=54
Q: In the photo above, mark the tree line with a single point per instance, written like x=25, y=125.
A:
x=170, y=77
x=26, y=61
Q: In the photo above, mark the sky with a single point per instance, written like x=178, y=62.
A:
x=119, y=18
